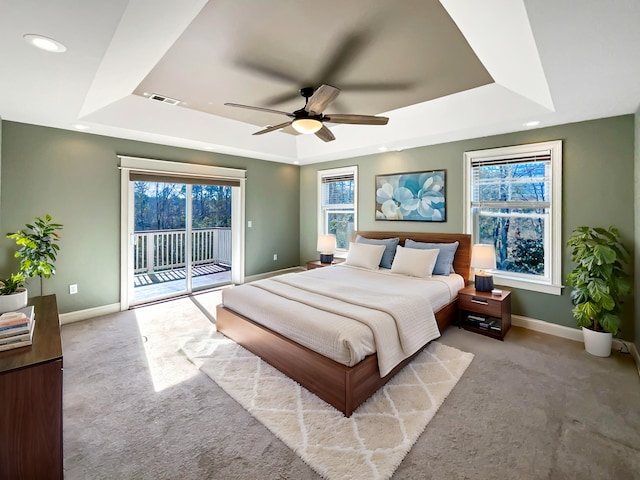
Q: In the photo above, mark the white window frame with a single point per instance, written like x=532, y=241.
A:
x=336, y=172
x=553, y=285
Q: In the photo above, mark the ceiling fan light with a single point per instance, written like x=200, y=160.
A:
x=307, y=125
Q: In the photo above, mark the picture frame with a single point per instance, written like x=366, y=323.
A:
x=412, y=196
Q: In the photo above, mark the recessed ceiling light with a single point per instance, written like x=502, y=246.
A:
x=383, y=149
x=533, y=123
x=44, y=43
x=79, y=126
x=209, y=148
x=296, y=163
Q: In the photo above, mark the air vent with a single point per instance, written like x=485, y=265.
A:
x=163, y=99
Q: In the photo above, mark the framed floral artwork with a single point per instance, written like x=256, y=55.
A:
x=414, y=196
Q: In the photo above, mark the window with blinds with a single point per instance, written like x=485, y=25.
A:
x=337, y=204
x=511, y=206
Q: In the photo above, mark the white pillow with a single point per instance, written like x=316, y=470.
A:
x=364, y=255
x=414, y=262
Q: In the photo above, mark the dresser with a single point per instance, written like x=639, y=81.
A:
x=31, y=400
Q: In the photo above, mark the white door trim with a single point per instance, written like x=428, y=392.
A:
x=178, y=168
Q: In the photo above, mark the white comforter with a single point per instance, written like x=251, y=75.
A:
x=346, y=313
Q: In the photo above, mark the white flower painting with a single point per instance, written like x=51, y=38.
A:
x=411, y=196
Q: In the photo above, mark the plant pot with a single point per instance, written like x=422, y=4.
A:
x=13, y=301
x=597, y=343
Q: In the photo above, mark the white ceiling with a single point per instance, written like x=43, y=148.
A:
x=555, y=61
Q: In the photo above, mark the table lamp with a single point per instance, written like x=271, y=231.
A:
x=483, y=257
x=326, y=247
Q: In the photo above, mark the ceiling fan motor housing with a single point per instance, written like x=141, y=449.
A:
x=302, y=113
x=306, y=92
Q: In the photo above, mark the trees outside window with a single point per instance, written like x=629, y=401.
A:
x=160, y=206
x=513, y=203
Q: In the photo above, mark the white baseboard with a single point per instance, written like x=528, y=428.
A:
x=546, y=327
x=261, y=276
x=571, y=334
x=88, y=313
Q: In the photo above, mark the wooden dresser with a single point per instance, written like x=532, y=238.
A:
x=31, y=400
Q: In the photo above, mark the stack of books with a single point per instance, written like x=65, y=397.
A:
x=16, y=329
x=476, y=320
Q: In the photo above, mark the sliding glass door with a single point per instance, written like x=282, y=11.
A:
x=181, y=238
x=182, y=228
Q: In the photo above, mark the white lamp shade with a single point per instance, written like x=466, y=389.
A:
x=326, y=243
x=483, y=257
x=307, y=125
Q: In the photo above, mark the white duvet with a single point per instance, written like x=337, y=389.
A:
x=347, y=313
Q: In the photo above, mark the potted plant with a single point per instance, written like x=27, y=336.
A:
x=38, y=248
x=13, y=295
x=599, y=285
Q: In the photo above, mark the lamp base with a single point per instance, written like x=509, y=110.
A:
x=326, y=258
x=484, y=283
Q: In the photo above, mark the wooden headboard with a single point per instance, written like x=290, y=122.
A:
x=462, y=260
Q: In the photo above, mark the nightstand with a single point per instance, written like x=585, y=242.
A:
x=484, y=312
x=316, y=263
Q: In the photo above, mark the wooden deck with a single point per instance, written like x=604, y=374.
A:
x=148, y=286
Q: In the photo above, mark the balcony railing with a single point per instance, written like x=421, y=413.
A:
x=157, y=250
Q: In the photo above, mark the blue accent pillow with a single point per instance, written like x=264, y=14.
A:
x=390, y=245
x=444, y=262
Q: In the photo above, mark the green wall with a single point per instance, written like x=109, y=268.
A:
x=598, y=190
x=637, y=225
x=74, y=177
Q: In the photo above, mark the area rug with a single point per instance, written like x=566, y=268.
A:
x=368, y=445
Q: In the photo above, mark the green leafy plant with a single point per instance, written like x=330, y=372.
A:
x=599, y=280
x=38, y=248
x=12, y=284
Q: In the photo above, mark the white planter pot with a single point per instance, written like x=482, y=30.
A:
x=597, y=343
x=13, y=301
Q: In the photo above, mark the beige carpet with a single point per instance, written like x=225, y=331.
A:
x=369, y=445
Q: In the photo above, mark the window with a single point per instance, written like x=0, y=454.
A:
x=513, y=202
x=337, y=200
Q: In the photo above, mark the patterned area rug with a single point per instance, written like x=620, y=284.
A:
x=369, y=445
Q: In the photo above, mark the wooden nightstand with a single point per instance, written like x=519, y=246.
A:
x=316, y=263
x=484, y=312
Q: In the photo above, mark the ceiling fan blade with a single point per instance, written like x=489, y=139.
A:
x=321, y=99
x=278, y=99
x=355, y=119
x=260, y=109
x=377, y=86
x=268, y=71
x=274, y=128
x=325, y=134
x=346, y=53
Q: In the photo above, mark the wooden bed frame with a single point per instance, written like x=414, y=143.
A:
x=343, y=387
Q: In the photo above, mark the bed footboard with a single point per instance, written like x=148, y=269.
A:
x=343, y=387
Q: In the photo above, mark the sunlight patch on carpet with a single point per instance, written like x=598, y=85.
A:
x=368, y=445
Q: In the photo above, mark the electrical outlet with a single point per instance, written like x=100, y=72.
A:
x=73, y=289
x=275, y=257
x=249, y=224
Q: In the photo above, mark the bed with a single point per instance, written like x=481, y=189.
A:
x=338, y=382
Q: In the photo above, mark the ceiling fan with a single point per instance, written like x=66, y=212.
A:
x=311, y=119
